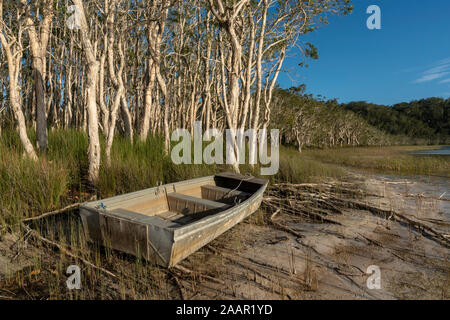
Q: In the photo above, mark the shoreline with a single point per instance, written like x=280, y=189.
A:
x=257, y=260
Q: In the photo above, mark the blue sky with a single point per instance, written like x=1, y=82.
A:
x=408, y=59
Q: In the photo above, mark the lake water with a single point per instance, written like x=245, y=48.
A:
x=443, y=151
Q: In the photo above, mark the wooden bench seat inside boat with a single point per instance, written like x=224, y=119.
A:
x=215, y=193
x=175, y=217
x=188, y=205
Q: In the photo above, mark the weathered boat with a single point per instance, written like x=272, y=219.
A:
x=166, y=224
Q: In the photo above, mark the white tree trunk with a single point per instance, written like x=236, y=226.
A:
x=91, y=87
x=13, y=52
x=38, y=44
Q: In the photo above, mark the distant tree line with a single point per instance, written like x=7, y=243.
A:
x=427, y=119
x=306, y=121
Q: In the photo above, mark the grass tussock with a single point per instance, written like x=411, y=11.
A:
x=395, y=160
x=297, y=168
x=59, y=177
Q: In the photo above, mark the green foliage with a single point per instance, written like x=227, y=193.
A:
x=59, y=178
x=427, y=119
x=311, y=51
x=28, y=188
x=395, y=160
x=295, y=168
x=304, y=120
x=310, y=121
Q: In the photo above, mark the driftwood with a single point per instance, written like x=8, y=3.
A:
x=296, y=202
x=422, y=196
x=287, y=229
x=55, y=212
x=188, y=271
x=249, y=263
x=70, y=207
x=316, y=201
x=282, y=227
x=274, y=214
x=392, y=215
x=179, y=285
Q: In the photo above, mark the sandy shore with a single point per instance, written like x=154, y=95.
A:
x=330, y=261
x=254, y=260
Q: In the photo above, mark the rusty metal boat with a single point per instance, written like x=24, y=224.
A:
x=166, y=224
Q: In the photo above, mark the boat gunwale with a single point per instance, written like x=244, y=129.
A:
x=183, y=230
x=205, y=222
x=140, y=193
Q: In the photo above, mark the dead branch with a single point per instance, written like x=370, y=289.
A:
x=389, y=214
x=317, y=200
x=55, y=212
x=188, y=271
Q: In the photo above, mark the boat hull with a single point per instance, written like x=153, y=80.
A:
x=165, y=242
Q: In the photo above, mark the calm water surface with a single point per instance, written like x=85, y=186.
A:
x=445, y=151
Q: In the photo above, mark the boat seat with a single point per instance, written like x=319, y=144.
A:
x=216, y=193
x=188, y=205
x=169, y=215
x=175, y=217
x=172, y=217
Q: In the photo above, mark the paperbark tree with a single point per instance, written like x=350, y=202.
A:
x=93, y=65
x=227, y=15
x=156, y=20
x=12, y=47
x=154, y=66
x=116, y=77
x=38, y=33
